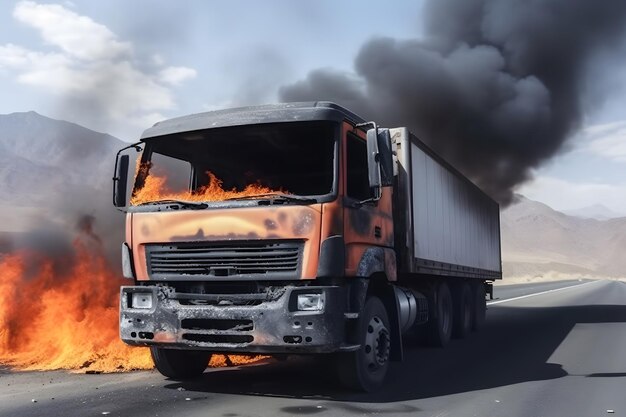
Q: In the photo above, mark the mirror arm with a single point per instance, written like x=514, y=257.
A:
x=359, y=204
x=137, y=147
x=366, y=124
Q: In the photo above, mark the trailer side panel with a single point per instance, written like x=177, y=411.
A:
x=454, y=226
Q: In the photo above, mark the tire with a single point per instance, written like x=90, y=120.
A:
x=180, y=364
x=463, y=304
x=480, y=306
x=439, y=327
x=366, y=368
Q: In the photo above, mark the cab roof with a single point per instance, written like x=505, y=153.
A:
x=251, y=115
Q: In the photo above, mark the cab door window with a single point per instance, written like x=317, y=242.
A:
x=357, y=186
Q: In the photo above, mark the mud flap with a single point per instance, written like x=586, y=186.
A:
x=489, y=289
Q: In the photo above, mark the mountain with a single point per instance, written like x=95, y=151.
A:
x=596, y=211
x=38, y=152
x=52, y=174
x=540, y=241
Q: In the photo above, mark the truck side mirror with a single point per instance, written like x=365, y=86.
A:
x=379, y=158
x=120, y=181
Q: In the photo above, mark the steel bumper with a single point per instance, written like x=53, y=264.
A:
x=264, y=325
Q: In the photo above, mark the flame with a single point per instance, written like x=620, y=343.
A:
x=67, y=318
x=63, y=318
x=155, y=189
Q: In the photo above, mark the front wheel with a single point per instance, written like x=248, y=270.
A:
x=180, y=364
x=366, y=368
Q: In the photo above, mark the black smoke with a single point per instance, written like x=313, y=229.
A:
x=496, y=86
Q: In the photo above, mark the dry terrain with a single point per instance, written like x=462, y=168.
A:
x=539, y=243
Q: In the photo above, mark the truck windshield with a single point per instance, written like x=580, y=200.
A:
x=283, y=160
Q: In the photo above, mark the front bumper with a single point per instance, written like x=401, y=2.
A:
x=268, y=323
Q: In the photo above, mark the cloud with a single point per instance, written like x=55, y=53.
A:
x=14, y=56
x=562, y=194
x=76, y=35
x=608, y=140
x=96, y=77
x=176, y=75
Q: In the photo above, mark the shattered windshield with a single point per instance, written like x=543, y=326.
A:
x=285, y=159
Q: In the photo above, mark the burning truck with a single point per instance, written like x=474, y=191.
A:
x=298, y=229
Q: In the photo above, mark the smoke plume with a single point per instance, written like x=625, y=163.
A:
x=496, y=87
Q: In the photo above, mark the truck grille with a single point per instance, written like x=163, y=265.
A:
x=206, y=260
x=218, y=331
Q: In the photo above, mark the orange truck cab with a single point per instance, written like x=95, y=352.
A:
x=291, y=229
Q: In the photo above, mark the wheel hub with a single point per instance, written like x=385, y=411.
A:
x=377, y=343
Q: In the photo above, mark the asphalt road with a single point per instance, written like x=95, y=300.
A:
x=506, y=292
x=559, y=353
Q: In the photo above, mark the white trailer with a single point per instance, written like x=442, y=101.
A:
x=445, y=224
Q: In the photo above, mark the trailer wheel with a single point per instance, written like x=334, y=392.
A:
x=366, y=368
x=463, y=311
x=480, y=306
x=441, y=316
x=180, y=364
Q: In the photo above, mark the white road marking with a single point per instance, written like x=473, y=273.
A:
x=540, y=293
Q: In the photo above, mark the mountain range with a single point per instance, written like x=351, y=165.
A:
x=34, y=147
x=538, y=241
x=52, y=172
x=595, y=211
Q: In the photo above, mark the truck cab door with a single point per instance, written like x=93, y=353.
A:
x=368, y=227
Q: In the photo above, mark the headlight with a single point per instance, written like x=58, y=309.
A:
x=141, y=300
x=310, y=302
x=127, y=262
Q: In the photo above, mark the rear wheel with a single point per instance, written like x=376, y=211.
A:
x=180, y=364
x=366, y=368
x=439, y=325
x=480, y=306
x=463, y=309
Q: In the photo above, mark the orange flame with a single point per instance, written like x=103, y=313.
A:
x=63, y=320
x=155, y=189
x=51, y=319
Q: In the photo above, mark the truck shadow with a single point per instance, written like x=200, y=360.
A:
x=514, y=347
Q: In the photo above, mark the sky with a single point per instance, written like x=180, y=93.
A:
x=120, y=66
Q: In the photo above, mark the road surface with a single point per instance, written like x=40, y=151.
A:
x=561, y=352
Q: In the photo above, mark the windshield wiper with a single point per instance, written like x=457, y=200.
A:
x=179, y=203
x=276, y=197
